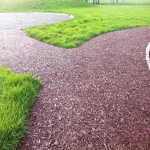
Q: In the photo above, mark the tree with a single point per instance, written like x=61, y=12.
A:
x=96, y=1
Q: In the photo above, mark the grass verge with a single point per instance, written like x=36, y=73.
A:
x=98, y=20
x=17, y=94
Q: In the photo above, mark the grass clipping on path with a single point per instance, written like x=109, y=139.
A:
x=17, y=94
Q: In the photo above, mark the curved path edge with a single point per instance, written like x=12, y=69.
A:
x=23, y=20
x=95, y=96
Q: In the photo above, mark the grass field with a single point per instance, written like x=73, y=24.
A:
x=18, y=92
x=126, y=2
x=40, y=5
x=99, y=20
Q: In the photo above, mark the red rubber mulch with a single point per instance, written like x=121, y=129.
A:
x=94, y=97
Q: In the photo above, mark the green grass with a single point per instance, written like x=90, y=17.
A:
x=90, y=20
x=17, y=94
x=126, y=2
x=39, y=5
x=83, y=27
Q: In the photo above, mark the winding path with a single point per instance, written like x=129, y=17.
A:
x=96, y=96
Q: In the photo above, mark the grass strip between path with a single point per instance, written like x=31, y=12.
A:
x=90, y=22
x=17, y=94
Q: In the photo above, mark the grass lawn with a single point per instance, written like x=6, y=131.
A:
x=90, y=22
x=17, y=94
x=126, y=2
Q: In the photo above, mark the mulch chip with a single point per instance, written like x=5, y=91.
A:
x=94, y=97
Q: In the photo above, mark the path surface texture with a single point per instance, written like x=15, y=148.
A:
x=23, y=20
x=94, y=97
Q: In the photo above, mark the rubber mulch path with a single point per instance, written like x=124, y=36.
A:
x=94, y=97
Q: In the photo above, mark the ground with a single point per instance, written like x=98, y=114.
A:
x=92, y=97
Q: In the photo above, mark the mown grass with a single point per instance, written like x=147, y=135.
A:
x=40, y=5
x=17, y=94
x=84, y=26
x=126, y=2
